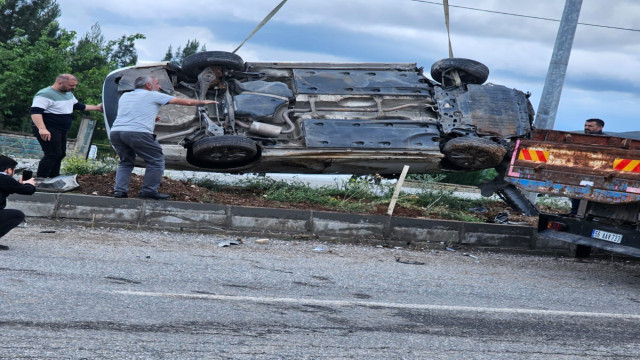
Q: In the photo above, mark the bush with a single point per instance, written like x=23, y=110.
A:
x=78, y=165
x=471, y=178
x=209, y=183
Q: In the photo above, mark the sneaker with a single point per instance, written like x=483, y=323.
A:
x=120, y=195
x=154, y=196
x=4, y=247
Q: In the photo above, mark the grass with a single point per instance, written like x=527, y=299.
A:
x=554, y=203
x=356, y=195
x=445, y=204
x=75, y=164
x=351, y=196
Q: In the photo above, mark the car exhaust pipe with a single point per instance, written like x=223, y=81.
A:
x=266, y=130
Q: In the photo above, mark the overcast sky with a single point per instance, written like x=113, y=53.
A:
x=602, y=77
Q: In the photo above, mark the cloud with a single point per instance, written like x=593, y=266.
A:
x=603, y=65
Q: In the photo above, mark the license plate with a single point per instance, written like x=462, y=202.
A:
x=606, y=236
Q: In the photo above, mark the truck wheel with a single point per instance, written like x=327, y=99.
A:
x=470, y=71
x=193, y=65
x=472, y=153
x=224, y=151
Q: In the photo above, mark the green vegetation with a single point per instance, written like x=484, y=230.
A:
x=79, y=165
x=445, y=203
x=34, y=50
x=189, y=49
x=554, y=203
x=355, y=195
x=471, y=178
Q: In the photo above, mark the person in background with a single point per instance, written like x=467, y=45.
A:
x=132, y=135
x=591, y=127
x=51, y=116
x=10, y=218
x=594, y=127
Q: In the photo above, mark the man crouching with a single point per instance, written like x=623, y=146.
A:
x=10, y=218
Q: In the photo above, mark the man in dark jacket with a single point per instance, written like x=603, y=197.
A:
x=594, y=126
x=10, y=218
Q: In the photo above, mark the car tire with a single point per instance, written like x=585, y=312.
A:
x=472, y=153
x=194, y=64
x=226, y=151
x=470, y=71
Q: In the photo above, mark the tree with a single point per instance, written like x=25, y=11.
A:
x=181, y=53
x=26, y=67
x=168, y=56
x=122, y=52
x=32, y=17
x=89, y=52
x=92, y=58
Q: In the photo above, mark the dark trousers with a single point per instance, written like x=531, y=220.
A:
x=54, y=151
x=128, y=145
x=9, y=218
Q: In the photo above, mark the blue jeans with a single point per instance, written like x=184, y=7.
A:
x=54, y=151
x=128, y=144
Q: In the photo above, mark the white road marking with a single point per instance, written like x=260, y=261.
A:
x=384, y=305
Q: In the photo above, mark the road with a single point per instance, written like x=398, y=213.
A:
x=71, y=292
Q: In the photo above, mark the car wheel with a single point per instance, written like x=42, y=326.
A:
x=194, y=64
x=473, y=153
x=224, y=151
x=470, y=71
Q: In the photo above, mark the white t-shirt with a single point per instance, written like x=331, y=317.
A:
x=137, y=110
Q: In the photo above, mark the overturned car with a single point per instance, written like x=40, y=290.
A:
x=351, y=118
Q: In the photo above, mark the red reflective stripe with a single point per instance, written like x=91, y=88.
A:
x=541, y=156
x=637, y=168
x=622, y=164
x=525, y=154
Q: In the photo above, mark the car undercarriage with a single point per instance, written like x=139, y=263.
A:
x=353, y=118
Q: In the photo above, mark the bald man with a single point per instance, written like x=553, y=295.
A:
x=51, y=116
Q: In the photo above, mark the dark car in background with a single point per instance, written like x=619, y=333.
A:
x=349, y=118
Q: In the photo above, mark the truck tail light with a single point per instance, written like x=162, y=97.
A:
x=555, y=225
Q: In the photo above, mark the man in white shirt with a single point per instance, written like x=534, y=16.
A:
x=132, y=134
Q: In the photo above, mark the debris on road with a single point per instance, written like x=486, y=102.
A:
x=502, y=217
x=225, y=243
x=62, y=183
x=409, y=262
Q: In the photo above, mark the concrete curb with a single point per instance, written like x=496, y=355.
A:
x=352, y=228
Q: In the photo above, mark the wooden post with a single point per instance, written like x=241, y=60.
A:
x=396, y=192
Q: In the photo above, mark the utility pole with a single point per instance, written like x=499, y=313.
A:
x=548, y=107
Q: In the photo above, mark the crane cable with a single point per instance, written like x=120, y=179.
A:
x=445, y=4
x=453, y=73
x=264, y=21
